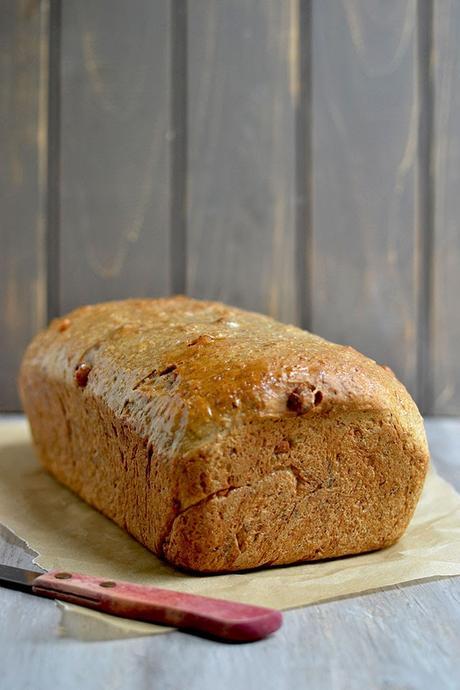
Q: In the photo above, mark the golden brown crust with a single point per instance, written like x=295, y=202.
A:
x=220, y=438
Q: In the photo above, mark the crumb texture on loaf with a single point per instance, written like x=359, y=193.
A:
x=222, y=439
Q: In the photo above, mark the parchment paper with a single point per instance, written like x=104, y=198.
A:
x=69, y=535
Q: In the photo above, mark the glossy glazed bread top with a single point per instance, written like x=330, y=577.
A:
x=221, y=438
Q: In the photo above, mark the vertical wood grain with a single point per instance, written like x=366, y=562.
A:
x=425, y=206
x=114, y=143
x=243, y=86
x=179, y=98
x=365, y=172
x=53, y=160
x=23, y=112
x=445, y=336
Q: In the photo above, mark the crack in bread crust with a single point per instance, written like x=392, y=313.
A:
x=318, y=505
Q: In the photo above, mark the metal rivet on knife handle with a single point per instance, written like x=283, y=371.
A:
x=63, y=576
x=109, y=583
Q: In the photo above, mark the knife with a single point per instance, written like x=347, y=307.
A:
x=225, y=620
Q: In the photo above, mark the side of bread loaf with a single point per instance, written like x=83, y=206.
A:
x=221, y=439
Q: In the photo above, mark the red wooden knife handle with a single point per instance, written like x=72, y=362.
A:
x=217, y=617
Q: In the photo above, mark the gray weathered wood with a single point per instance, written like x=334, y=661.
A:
x=115, y=171
x=446, y=157
x=387, y=640
x=203, y=141
x=444, y=439
x=23, y=88
x=405, y=637
x=364, y=167
x=242, y=86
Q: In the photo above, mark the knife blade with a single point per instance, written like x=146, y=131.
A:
x=218, y=618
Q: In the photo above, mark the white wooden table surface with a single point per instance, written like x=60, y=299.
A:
x=402, y=638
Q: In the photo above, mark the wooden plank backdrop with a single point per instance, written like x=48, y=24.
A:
x=298, y=158
x=446, y=168
x=23, y=118
x=241, y=153
x=114, y=150
x=364, y=149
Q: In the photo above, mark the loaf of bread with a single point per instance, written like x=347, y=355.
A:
x=221, y=439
